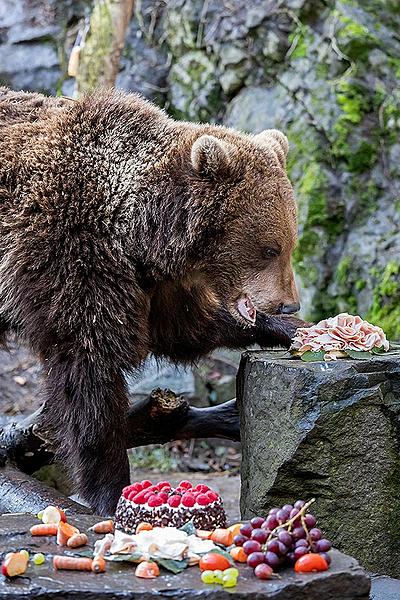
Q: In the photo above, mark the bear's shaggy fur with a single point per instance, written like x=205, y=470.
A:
x=123, y=232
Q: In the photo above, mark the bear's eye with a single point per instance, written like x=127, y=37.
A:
x=270, y=253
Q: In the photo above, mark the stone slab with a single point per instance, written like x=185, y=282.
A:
x=345, y=580
x=329, y=431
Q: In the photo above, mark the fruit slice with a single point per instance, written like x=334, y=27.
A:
x=222, y=536
x=52, y=514
x=309, y=563
x=14, y=564
x=213, y=561
x=203, y=534
x=147, y=570
x=64, y=532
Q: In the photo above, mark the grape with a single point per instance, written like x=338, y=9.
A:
x=273, y=511
x=272, y=560
x=232, y=571
x=218, y=574
x=260, y=535
x=263, y=571
x=282, y=516
x=310, y=521
x=271, y=522
x=38, y=558
x=290, y=558
x=294, y=512
x=300, y=551
x=302, y=542
x=251, y=546
x=246, y=530
x=285, y=538
x=323, y=545
x=240, y=539
x=228, y=581
x=315, y=534
x=287, y=508
x=256, y=522
x=254, y=559
x=298, y=533
x=326, y=556
x=273, y=546
x=282, y=549
x=40, y=515
x=207, y=576
x=299, y=504
x=265, y=527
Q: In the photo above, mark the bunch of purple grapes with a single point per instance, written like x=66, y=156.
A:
x=282, y=537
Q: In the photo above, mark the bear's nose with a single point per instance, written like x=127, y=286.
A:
x=288, y=309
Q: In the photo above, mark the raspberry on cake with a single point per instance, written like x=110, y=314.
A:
x=164, y=506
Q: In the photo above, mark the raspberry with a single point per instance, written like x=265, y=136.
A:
x=174, y=501
x=188, y=499
x=163, y=484
x=154, y=500
x=185, y=484
x=163, y=496
x=203, y=500
x=147, y=493
x=139, y=498
x=212, y=496
x=146, y=483
x=137, y=486
x=201, y=487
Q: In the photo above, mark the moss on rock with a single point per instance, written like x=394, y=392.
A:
x=385, y=309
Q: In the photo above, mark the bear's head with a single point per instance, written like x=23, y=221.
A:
x=240, y=235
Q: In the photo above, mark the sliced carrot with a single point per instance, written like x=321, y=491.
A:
x=44, y=529
x=203, y=534
x=70, y=563
x=65, y=531
x=77, y=540
x=144, y=527
x=238, y=554
x=222, y=536
x=147, y=570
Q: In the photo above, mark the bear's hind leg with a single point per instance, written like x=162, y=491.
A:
x=86, y=405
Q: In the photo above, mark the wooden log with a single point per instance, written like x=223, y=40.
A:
x=160, y=418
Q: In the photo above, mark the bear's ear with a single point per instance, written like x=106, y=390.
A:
x=211, y=157
x=275, y=140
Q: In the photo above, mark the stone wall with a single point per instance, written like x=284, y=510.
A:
x=325, y=71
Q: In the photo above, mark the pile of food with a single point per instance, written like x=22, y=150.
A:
x=343, y=336
x=286, y=537
x=162, y=505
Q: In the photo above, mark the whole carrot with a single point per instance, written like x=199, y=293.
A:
x=77, y=540
x=98, y=564
x=103, y=527
x=70, y=563
x=44, y=529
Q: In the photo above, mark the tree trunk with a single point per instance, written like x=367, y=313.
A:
x=100, y=52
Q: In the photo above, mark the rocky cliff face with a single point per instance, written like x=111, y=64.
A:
x=324, y=71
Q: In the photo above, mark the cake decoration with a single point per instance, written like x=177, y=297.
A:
x=164, y=506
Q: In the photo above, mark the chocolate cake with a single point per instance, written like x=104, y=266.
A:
x=164, y=506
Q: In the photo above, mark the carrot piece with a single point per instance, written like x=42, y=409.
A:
x=238, y=554
x=70, y=563
x=222, y=536
x=77, y=540
x=43, y=529
x=103, y=527
x=203, y=534
x=98, y=564
x=144, y=527
x=147, y=570
x=64, y=532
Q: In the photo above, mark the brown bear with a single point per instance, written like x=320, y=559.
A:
x=124, y=233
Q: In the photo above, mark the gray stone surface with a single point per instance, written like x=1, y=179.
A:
x=329, y=431
x=345, y=580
